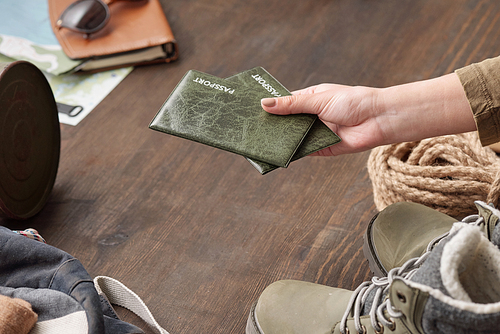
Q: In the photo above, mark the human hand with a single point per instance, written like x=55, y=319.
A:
x=366, y=117
x=350, y=112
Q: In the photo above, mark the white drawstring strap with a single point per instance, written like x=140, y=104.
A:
x=119, y=294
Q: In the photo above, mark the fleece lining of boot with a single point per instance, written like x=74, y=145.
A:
x=470, y=272
x=470, y=267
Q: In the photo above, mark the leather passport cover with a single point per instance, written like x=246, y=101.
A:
x=133, y=26
x=319, y=136
x=228, y=115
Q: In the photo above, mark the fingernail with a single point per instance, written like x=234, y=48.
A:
x=268, y=102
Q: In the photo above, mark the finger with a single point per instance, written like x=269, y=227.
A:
x=303, y=91
x=295, y=104
x=335, y=150
x=332, y=151
x=318, y=89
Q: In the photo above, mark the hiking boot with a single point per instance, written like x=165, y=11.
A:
x=455, y=288
x=405, y=230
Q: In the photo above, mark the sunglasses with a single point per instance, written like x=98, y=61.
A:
x=86, y=16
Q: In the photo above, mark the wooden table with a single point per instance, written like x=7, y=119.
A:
x=197, y=232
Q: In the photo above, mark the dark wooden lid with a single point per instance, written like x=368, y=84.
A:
x=30, y=139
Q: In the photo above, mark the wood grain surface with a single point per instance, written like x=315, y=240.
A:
x=197, y=232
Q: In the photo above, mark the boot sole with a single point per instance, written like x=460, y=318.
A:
x=252, y=326
x=370, y=253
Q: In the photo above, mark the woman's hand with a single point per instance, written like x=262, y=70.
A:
x=367, y=117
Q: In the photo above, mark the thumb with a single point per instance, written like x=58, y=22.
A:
x=293, y=104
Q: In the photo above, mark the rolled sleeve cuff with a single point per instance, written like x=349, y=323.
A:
x=481, y=83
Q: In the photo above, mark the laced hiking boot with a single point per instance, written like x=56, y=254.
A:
x=405, y=230
x=455, y=288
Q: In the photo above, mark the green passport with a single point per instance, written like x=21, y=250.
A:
x=228, y=115
x=319, y=136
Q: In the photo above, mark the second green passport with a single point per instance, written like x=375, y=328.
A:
x=228, y=115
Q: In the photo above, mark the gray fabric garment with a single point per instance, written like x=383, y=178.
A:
x=54, y=282
x=46, y=303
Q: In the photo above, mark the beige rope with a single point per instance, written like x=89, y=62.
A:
x=446, y=173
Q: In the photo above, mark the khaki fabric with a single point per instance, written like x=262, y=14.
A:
x=481, y=82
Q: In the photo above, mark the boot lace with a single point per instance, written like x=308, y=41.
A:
x=475, y=220
x=378, y=318
x=380, y=303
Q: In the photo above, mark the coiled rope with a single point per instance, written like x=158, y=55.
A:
x=447, y=173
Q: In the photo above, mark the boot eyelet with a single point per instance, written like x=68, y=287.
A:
x=392, y=327
x=364, y=329
x=401, y=297
x=381, y=331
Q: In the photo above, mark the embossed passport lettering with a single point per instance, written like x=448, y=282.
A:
x=228, y=115
x=319, y=136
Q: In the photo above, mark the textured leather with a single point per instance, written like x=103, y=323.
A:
x=295, y=307
x=411, y=302
x=132, y=26
x=319, y=136
x=215, y=112
x=402, y=231
x=320, y=307
x=490, y=219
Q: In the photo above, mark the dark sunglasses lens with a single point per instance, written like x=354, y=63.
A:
x=86, y=16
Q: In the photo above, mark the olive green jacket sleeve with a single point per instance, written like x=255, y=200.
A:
x=481, y=82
